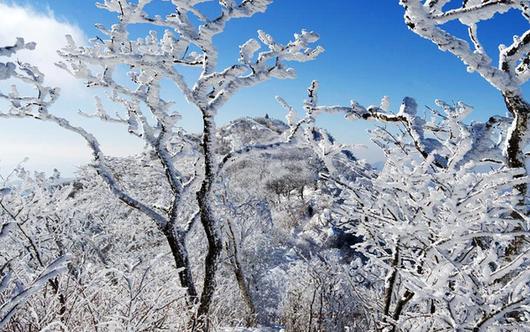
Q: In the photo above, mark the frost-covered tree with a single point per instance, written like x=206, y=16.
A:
x=436, y=241
x=76, y=258
x=148, y=116
x=436, y=223
x=27, y=264
x=432, y=136
x=427, y=18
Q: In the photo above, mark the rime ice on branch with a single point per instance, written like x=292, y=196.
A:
x=437, y=136
x=436, y=222
x=426, y=19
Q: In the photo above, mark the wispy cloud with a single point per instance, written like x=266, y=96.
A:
x=49, y=34
x=45, y=148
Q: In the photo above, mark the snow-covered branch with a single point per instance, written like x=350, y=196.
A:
x=20, y=296
x=37, y=106
x=429, y=136
x=426, y=19
x=8, y=69
x=179, y=21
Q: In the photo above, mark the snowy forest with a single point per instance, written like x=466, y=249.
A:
x=267, y=224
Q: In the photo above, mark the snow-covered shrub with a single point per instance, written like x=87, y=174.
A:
x=68, y=262
x=436, y=240
x=31, y=266
x=436, y=223
x=322, y=297
x=437, y=228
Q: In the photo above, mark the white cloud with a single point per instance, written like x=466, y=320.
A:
x=49, y=34
x=46, y=145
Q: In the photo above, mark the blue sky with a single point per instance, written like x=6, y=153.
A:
x=369, y=53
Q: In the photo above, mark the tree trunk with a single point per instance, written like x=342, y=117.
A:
x=241, y=280
x=390, y=285
x=520, y=110
x=390, y=281
x=208, y=222
x=180, y=254
x=407, y=296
